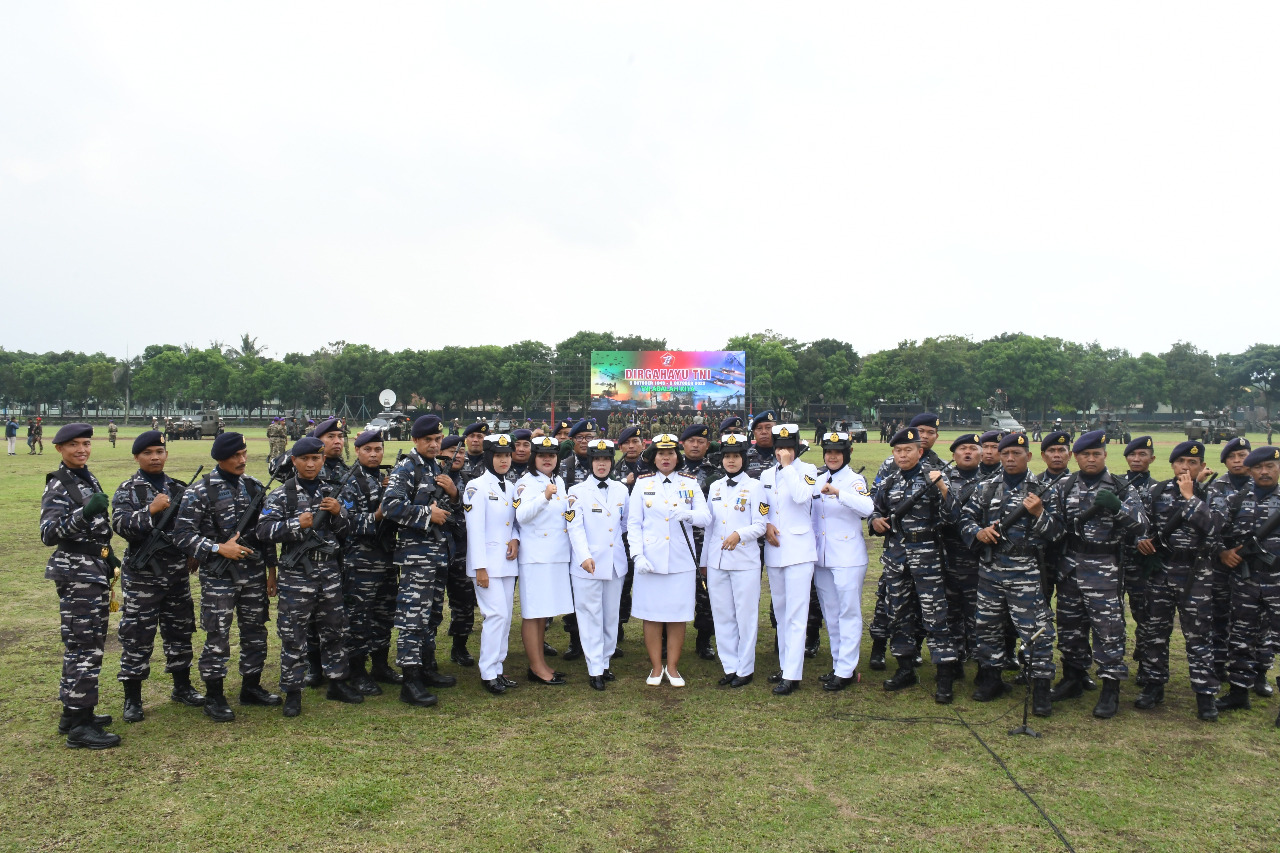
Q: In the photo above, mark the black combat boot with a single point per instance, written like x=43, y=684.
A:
x=413, y=691
x=702, y=646
x=575, y=647
x=1237, y=698
x=905, y=676
x=342, y=690
x=69, y=717
x=292, y=703
x=1086, y=680
x=252, y=692
x=315, y=670
x=85, y=733
x=1070, y=686
x=878, y=647
x=944, y=681
x=1108, y=699
x=1151, y=696
x=381, y=670
x=460, y=655
x=1262, y=687
x=1041, y=704
x=133, y=701
x=183, y=692
x=957, y=670
x=811, y=641
x=989, y=685
x=430, y=675
x=215, y=703
x=1207, y=709
x=361, y=680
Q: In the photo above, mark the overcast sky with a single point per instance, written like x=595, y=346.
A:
x=873, y=172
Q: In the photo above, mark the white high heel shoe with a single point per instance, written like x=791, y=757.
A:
x=674, y=680
x=655, y=680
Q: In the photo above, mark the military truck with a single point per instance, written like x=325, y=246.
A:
x=1115, y=427
x=1214, y=428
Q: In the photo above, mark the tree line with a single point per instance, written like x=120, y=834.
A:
x=1035, y=374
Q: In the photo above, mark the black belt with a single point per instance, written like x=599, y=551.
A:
x=1183, y=555
x=97, y=550
x=1018, y=549
x=918, y=537
x=1082, y=546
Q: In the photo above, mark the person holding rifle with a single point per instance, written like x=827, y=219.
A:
x=154, y=576
x=215, y=528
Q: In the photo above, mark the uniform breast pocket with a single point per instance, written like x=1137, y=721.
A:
x=650, y=538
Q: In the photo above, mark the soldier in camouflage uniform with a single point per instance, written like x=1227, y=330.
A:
x=372, y=578
x=306, y=518
x=989, y=443
x=419, y=497
x=331, y=434
x=73, y=520
x=156, y=595
x=1055, y=452
x=113, y=432
x=462, y=593
x=695, y=441
x=237, y=574
x=960, y=571
x=910, y=505
x=1255, y=586
x=1005, y=517
x=521, y=455
x=1138, y=455
x=1179, y=567
x=1090, y=512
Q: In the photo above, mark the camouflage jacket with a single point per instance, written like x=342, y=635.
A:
x=369, y=543
x=211, y=509
x=411, y=490
x=131, y=517
x=64, y=527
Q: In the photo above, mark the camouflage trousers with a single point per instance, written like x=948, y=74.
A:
x=1192, y=601
x=960, y=577
x=84, y=608
x=1255, y=616
x=1017, y=595
x=421, y=580
x=308, y=601
x=220, y=600
x=156, y=601
x=1221, y=614
x=1135, y=590
x=371, y=607
x=1089, y=604
x=917, y=601
x=462, y=602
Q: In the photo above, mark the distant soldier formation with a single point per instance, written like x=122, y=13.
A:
x=669, y=519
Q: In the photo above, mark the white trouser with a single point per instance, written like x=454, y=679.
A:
x=789, y=587
x=840, y=595
x=735, y=609
x=596, y=603
x=495, y=604
x=13, y=444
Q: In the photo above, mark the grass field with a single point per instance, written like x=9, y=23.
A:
x=633, y=768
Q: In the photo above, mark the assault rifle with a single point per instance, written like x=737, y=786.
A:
x=384, y=533
x=895, y=518
x=220, y=566
x=1012, y=517
x=313, y=540
x=158, y=540
x=1252, y=551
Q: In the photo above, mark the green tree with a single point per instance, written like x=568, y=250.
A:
x=1193, y=382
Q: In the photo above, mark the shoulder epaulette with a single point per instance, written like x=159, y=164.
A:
x=687, y=474
x=642, y=476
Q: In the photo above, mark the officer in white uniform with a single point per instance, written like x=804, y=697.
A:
x=597, y=519
x=541, y=513
x=662, y=507
x=492, y=547
x=732, y=560
x=788, y=492
x=841, y=500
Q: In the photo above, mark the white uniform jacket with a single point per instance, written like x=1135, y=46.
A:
x=654, y=521
x=597, y=520
x=788, y=493
x=540, y=523
x=837, y=520
x=491, y=524
x=734, y=509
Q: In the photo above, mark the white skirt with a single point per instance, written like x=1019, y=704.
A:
x=663, y=598
x=545, y=590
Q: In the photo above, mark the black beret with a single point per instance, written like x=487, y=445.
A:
x=522, y=435
x=1139, y=443
x=1055, y=438
x=967, y=438
x=564, y=424
x=695, y=431
x=991, y=435
x=928, y=419
x=1014, y=439
x=450, y=441
x=628, y=434
x=1089, y=440
x=306, y=446
x=367, y=436
x=1238, y=443
x=226, y=445
x=582, y=426
x=733, y=443
x=729, y=423
x=327, y=425
x=1260, y=455
x=71, y=432
x=908, y=435
x=481, y=427
x=1194, y=449
x=766, y=416
x=425, y=426
x=150, y=438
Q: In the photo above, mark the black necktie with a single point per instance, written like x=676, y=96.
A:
x=502, y=484
x=732, y=483
x=603, y=484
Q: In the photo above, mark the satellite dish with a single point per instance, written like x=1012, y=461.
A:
x=387, y=398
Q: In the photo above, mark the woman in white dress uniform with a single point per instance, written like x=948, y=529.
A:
x=662, y=509
x=541, y=510
x=492, y=547
x=732, y=560
x=841, y=501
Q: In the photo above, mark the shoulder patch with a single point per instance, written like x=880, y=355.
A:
x=569, y=514
x=860, y=487
x=764, y=508
x=471, y=492
x=466, y=507
x=515, y=503
x=810, y=480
